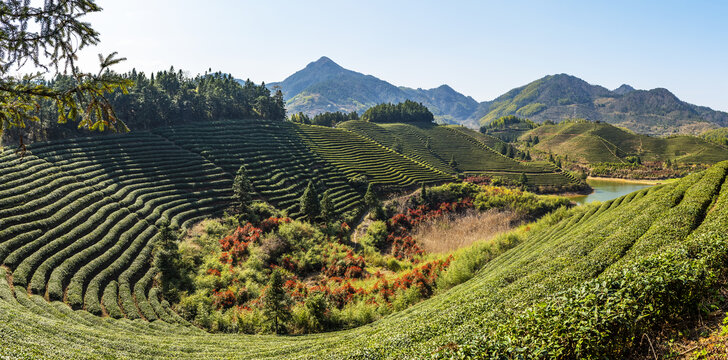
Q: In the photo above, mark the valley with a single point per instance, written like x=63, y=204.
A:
x=159, y=211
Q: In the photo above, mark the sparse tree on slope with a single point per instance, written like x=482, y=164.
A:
x=423, y=193
x=242, y=191
x=310, y=202
x=523, y=179
x=328, y=211
x=453, y=164
x=276, y=303
x=370, y=198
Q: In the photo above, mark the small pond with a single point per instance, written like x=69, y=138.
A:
x=607, y=189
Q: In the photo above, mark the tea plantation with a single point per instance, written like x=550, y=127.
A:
x=600, y=142
x=78, y=217
x=78, y=225
x=473, y=152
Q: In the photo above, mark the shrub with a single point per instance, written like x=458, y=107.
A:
x=376, y=234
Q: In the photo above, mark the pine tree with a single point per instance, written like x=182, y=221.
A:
x=423, y=193
x=242, y=191
x=310, y=202
x=165, y=259
x=523, y=179
x=370, y=198
x=397, y=147
x=328, y=212
x=558, y=164
x=502, y=148
x=453, y=164
x=528, y=155
x=276, y=303
x=509, y=152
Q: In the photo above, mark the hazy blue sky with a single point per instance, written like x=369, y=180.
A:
x=480, y=48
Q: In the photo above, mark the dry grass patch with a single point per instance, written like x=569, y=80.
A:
x=454, y=232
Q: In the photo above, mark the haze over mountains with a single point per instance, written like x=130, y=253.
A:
x=324, y=86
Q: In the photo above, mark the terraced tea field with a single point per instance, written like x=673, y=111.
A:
x=278, y=163
x=78, y=222
x=600, y=142
x=473, y=152
x=78, y=217
x=354, y=154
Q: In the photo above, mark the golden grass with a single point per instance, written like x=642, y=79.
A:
x=632, y=181
x=451, y=233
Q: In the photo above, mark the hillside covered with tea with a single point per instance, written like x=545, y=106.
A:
x=618, y=269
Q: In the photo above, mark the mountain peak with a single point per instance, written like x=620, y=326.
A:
x=324, y=59
x=324, y=63
x=623, y=89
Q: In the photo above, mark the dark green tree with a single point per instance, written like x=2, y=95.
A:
x=309, y=202
x=242, y=191
x=397, y=147
x=408, y=112
x=423, y=193
x=276, y=303
x=453, y=164
x=49, y=37
x=166, y=260
x=330, y=119
x=523, y=179
x=370, y=198
x=328, y=211
x=502, y=148
x=509, y=151
x=318, y=308
x=300, y=118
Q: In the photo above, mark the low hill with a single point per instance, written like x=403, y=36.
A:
x=508, y=128
x=436, y=145
x=593, y=142
x=325, y=86
x=581, y=283
x=717, y=136
x=562, y=96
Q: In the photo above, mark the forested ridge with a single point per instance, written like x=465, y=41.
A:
x=164, y=98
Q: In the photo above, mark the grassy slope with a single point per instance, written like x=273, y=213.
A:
x=592, y=142
x=651, y=246
x=471, y=150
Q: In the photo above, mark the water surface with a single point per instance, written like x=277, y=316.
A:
x=605, y=190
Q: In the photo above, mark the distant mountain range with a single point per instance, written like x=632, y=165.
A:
x=556, y=97
x=324, y=86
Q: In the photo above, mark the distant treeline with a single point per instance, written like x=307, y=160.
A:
x=408, y=112
x=324, y=119
x=161, y=99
